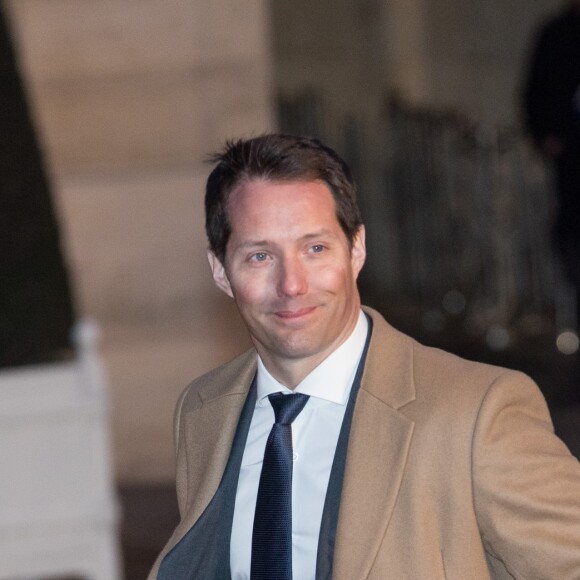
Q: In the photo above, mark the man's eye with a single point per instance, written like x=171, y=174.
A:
x=317, y=248
x=259, y=257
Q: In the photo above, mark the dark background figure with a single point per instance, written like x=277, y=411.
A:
x=36, y=310
x=552, y=115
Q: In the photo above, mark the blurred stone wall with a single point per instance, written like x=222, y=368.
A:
x=129, y=97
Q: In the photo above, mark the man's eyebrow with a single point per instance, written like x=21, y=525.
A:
x=264, y=243
x=253, y=243
x=320, y=233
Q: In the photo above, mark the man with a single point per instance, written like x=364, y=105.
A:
x=405, y=462
x=552, y=115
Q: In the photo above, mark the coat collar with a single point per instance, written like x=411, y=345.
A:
x=388, y=373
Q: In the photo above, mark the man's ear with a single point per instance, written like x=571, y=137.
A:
x=219, y=274
x=359, y=252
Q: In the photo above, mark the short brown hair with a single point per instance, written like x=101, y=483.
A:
x=276, y=157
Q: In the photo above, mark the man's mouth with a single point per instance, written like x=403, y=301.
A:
x=295, y=314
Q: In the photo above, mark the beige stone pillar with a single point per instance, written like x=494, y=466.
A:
x=129, y=97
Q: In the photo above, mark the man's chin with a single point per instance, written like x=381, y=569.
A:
x=296, y=348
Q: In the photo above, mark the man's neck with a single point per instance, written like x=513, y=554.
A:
x=291, y=373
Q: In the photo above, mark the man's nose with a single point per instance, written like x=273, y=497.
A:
x=293, y=279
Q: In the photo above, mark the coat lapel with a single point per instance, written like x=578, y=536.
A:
x=209, y=422
x=378, y=445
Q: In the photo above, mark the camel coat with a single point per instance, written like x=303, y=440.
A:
x=453, y=470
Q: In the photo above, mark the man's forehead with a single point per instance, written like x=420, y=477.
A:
x=303, y=213
x=256, y=197
x=266, y=183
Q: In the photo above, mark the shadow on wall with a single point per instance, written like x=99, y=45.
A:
x=36, y=310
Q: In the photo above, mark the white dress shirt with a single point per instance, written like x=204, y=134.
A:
x=315, y=435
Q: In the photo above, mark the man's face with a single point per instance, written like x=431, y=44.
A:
x=290, y=269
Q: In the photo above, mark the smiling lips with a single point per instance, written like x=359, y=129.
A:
x=290, y=315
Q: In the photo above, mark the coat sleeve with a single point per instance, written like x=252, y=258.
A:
x=526, y=484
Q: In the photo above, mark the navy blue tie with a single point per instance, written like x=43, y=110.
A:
x=272, y=535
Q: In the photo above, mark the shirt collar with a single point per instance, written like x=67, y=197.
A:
x=332, y=379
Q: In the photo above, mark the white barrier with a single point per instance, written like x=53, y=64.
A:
x=58, y=510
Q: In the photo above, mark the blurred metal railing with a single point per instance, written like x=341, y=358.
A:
x=474, y=212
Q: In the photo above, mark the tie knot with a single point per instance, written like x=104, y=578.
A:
x=287, y=407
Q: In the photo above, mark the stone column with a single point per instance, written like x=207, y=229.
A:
x=129, y=97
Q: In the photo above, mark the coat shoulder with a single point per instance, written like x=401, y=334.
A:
x=437, y=376
x=434, y=365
